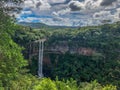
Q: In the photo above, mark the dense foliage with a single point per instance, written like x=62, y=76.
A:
x=11, y=58
x=103, y=66
x=32, y=83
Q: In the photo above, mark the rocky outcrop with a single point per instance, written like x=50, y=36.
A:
x=63, y=47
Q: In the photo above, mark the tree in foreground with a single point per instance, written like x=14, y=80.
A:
x=11, y=58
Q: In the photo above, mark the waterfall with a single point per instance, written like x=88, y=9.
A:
x=40, y=61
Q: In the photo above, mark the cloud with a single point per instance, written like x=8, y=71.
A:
x=92, y=4
x=107, y=2
x=76, y=5
x=56, y=1
x=30, y=19
x=102, y=14
x=70, y=12
x=26, y=12
x=61, y=12
x=117, y=15
x=34, y=4
x=28, y=4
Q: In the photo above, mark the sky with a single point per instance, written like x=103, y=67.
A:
x=70, y=12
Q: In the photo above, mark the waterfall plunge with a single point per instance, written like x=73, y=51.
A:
x=40, y=61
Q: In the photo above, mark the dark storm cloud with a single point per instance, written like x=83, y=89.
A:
x=81, y=0
x=38, y=4
x=67, y=1
x=107, y=2
x=75, y=6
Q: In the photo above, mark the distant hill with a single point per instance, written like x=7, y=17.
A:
x=33, y=25
x=42, y=25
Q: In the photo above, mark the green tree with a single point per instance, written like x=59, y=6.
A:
x=11, y=58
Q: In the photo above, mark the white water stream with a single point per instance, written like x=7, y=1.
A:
x=40, y=59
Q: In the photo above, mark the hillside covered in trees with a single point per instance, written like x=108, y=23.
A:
x=85, y=54
x=84, y=58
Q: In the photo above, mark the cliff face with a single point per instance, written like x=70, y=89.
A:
x=59, y=49
x=64, y=47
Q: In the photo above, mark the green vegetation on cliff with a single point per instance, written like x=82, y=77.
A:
x=102, y=66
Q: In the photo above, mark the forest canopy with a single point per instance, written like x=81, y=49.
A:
x=67, y=71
